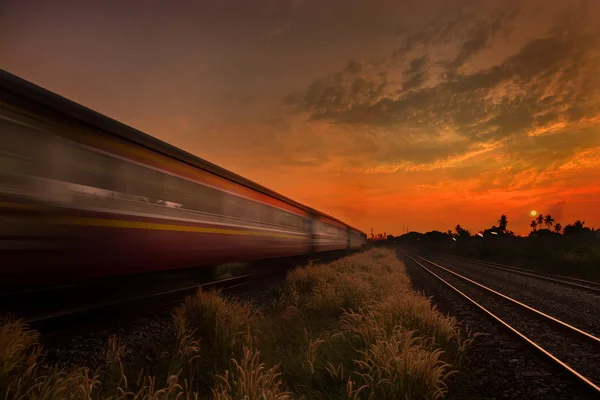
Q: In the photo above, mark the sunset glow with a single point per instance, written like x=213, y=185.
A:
x=387, y=116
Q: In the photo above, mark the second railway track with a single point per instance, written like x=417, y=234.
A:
x=587, y=285
x=575, y=351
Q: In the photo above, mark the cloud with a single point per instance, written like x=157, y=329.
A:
x=416, y=74
x=280, y=14
x=550, y=83
x=481, y=34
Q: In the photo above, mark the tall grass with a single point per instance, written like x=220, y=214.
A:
x=366, y=333
x=352, y=329
x=22, y=375
x=249, y=379
x=222, y=325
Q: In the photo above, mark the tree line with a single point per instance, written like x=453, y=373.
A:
x=552, y=228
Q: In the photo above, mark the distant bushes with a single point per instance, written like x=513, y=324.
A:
x=547, y=253
x=352, y=329
x=573, y=253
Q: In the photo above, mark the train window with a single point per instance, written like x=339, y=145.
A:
x=179, y=191
x=299, y=222
x=88, y=168
x=262, y=212
x=140, y=181
x=271, y=215
x=282, y=218
x=208, y=199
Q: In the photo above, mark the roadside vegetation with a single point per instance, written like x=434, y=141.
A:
x=352, y=329
x=573, y=249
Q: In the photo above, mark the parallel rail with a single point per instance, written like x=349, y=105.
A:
x=590, y=383
x=69, y=318
x=67, y=310
x=563, y=280
x=228, y=283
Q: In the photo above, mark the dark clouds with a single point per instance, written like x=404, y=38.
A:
x=480, y=35
x=552, y=79
x=416, y=74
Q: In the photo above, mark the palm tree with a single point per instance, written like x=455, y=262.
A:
x=540, y=220
x=549, y=221
x=533, y=225
x=503, y=221
x=557, y=227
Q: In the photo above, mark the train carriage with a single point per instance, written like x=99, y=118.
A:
x=82, y=195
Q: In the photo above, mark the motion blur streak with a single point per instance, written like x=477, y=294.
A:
x=82, y=195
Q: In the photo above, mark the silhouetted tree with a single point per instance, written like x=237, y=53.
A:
x=503, y=221
x=557, y=227
x=540, y=220
x=463, y=233
x=576, y=228
x=533, y=225
x=549, y=221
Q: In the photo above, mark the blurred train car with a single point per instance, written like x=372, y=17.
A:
x=82, y=195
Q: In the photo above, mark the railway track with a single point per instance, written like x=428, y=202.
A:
x=571, y=349
x=90, y=315
x=70, y=310
x=583, y=284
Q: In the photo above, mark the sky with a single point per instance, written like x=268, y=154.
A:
x=386, y=114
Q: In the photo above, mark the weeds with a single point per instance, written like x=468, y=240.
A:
x=219, y=322
x=352, y=329
x=401, y=367
x=249, y=379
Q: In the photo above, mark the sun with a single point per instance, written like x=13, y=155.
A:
x=533, y=213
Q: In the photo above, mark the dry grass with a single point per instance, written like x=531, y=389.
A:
x=402, y=366
x=249, y=379
x=352, y=329
x=22, y=375
x=365, y=333
x=221, y=324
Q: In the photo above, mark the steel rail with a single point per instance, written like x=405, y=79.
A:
x=237, y=281
x=553, y=278
x=591, y=385
x=517, y=302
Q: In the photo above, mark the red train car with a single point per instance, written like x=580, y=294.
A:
x=82, y=195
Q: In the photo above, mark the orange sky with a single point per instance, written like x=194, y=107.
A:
x=381, y=114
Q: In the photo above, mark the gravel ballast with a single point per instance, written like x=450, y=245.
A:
x=144, y=337
x=499, y=365
x=578, y=307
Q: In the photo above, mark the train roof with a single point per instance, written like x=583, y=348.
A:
x=54, y=103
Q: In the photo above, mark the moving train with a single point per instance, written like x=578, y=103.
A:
x=82, y=195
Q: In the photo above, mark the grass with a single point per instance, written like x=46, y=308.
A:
x=355, y=329
x=352, y=329
x=231, y=270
